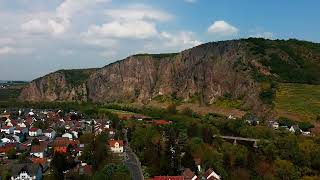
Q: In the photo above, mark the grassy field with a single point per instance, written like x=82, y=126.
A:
x=9, y=94
x=300, y=99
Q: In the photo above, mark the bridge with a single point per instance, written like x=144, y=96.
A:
x=235, y=139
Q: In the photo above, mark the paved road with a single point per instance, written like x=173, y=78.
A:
x=132, y=161
x=132, y=164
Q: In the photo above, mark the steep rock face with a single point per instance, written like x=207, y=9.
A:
x=207, y=71
x=54, y=87
x=242, y=70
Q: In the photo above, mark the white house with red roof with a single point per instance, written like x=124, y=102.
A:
x=116, y=146
x=35, y=132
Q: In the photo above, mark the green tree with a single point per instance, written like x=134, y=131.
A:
x=286, y=170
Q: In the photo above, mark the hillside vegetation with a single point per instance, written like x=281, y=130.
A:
x=302, y=99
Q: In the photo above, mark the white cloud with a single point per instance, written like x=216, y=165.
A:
x=138, y=12
x=172, y=42
x=61, y=20
x=125, y=29
x=184, y=39
x=222, y=28
x=8, y=50
x=133, y=22
x=38, y=26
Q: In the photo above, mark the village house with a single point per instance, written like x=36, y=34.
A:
x=38, y=151
x=11, y=122
x=26, y=171
x=7, y=129
x=7, y=147
x=19, y=129
x=61, y=144
x=50, y=133
x=19, y=137
x=189, y=175
x=295, y=129
x=116, y=146
x=273, y=124
x=41, y=161
x=252, y=120
x=8, y=139
x=210, y=174
x=22, y=124
x=68, y=135
x=35, y=132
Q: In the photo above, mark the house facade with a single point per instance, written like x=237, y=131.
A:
x=35, y=132
x=50, y=133
x=7, y=129
x=116, y=146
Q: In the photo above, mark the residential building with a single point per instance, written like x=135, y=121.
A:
x=116, y=146
x=35, y=132
x=26, y=171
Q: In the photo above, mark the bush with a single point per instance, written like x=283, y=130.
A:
x=187, y=111
x=172, y=109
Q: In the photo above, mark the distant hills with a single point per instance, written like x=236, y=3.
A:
x=243, y=74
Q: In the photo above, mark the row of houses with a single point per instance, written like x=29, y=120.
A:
x=187, y=174
x=19, y=135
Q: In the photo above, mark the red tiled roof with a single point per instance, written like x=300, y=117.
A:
x=168, y=178
x=37, y=148
x=87, y=169
x=113, y=142
x=7, y=147
x=188, y=174
x=41, y=161
x=6, y=127
x=161, y=122
x=19, y=128
x=33, y=129
x=208, y=172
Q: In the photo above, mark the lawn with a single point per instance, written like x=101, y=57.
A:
x=301, y=99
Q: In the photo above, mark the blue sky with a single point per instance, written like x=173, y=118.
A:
x=41, y=36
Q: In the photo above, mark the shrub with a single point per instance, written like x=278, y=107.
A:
x=172, y=109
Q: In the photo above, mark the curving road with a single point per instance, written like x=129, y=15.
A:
x=132, y=162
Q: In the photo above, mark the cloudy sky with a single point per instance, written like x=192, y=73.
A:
x=42, y=36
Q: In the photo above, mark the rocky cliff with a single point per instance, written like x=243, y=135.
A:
x=240, y=69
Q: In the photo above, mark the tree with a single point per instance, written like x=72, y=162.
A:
x=6, y=174
x=265, y=169
x=59, y=164
x=12, y=153
x=285, y=170
x=113, y=171
x=240, y=173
